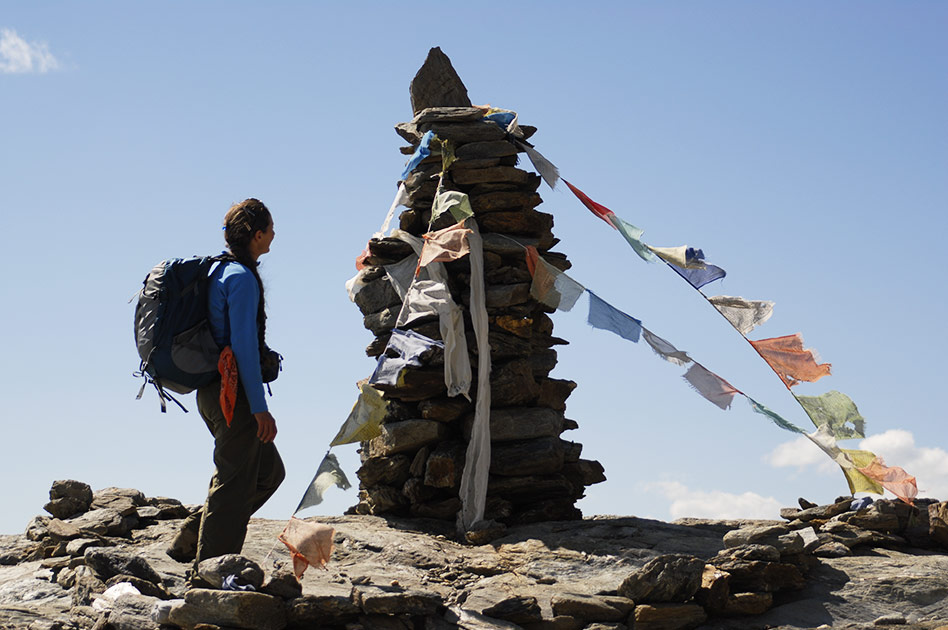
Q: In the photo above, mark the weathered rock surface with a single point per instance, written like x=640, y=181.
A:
x=546, y=575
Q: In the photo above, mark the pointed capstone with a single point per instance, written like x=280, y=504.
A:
x=437, y=84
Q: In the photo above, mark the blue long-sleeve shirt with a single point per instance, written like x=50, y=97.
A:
x=233, y=298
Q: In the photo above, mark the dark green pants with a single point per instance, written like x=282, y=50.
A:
x=247, y=473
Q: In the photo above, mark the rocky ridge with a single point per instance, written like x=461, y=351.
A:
x=819, y=566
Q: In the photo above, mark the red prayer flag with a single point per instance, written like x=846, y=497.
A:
x=790, y=360
x=596, y=208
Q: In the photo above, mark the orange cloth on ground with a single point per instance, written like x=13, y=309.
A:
x=790, y=360
x=227, y=366
x=309, y=544
x=893, y=479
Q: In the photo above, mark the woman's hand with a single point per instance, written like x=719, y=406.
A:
x=266, y=426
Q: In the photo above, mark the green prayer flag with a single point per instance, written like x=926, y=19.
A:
x=632, y=235
x=776, y=419
x=837, y=412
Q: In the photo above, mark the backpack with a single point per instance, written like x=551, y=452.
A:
x=177, y=350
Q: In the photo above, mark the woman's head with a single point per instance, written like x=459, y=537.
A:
x=242, y=223
x=248, y=230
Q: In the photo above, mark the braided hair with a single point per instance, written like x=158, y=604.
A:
x=241, y=223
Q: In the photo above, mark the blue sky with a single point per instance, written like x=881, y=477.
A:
x=802, y=146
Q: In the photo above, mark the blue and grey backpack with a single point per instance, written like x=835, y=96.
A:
x=178, y=352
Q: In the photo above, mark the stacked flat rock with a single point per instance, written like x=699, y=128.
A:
x=415, y=466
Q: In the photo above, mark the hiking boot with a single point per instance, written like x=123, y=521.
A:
x=184, y=546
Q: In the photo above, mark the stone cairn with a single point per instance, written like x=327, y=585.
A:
x=415, y=466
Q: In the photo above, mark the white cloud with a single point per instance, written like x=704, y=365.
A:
x=18, y=56
x=896, y=446
x=714, y=504
x=801, y=454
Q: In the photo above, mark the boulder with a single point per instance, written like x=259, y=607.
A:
x=108, y=563
x=321, y=610
x=215, y=570
x=378, y=600
x=592, y=607
x=516, y=609
x=668, y=616
x=437, y=84
x=405, y=436
x=238, y=609
x=667, y=578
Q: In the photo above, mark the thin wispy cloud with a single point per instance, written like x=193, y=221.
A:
x=715, y=504
x=897, y=447
x=18, y=56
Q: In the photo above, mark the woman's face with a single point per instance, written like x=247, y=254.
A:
x=263, y=239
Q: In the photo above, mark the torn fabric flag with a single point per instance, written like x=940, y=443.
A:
x=309, y=544
x=711, y=386
x=400, y=274
x=744, y=315
x=596, y=208
x=328, y=474
x=457, y=203
x=364, y=419
x=408, y=347
x=401, y=199
x=858, y=480
x=664, y=349
x=423, y=151
x=552, y=287
x=892, y=478
x=632, y=236
x=790, y=360
x=544, y=167
x=604, y=316
x=700, y=277
x=682, y=256
x=776, y=419
x=445, y=245
x=837, y=412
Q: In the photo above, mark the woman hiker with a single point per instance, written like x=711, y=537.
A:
x=248, y=468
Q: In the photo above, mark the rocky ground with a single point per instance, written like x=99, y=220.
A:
x=824, y=566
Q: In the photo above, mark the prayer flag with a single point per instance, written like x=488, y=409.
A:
x=423, y=151
x=447, y=155
x=682, y=256
x=457, y=203
x=859, y=481
x=776, y=419
x=837, y=412
x=445, y=245
x=633, y=236
x=544, y=167
x=604, y=316
x=714, y=388
x=309, y=544
x=400, y=274
x=363, y=421
x=788, y=358
x=743, y=314
x=700, y=277
x=531, y=255
x=328, y=474
x=552, y=287
x=408, y=347
x=596, y=208
x=892, y=478
x=664, y=349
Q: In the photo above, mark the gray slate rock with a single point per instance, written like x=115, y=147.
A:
x=667, y=578
x=592, y=607
x=379, y=600
x=470, y=620
x=131, y=612
x=518, y=609
x=314, y=609
x=437, y=84
x=240, y=609
x=215, y=570
x=283, y=584
x=108, y=563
